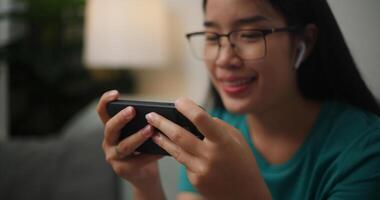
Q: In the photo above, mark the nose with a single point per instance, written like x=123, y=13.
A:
x=227, y=57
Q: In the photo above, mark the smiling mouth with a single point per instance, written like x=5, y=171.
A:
x=236, y=86
x=237, y=83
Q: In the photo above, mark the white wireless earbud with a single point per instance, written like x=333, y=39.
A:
x=301, y=54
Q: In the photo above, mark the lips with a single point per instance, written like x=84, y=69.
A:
x=236, y=85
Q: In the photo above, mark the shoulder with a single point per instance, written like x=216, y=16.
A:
x=359, y=135
x=352, y=150
x=351, y=118
x=347, y=125
x=359, y=128
x=354, y=141
x=347, y=151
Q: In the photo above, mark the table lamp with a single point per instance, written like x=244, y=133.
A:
x=123, y=34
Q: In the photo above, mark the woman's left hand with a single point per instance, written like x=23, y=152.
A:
x=221, y=166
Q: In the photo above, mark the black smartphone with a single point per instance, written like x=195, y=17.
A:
x=142, y=108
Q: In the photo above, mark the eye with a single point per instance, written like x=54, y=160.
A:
x=211, y=38
x=250, y=36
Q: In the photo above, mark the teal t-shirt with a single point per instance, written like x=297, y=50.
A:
x=340, y=158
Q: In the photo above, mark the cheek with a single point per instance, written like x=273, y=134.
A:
x=279, y=52
x=277, y=69
x=278, y=75
x=279, y=59
x=275, y=81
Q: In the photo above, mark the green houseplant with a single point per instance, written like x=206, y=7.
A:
x=48, y=82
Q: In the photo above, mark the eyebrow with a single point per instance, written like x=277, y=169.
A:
x=239, y=22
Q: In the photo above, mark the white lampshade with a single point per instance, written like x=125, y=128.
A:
x=125, y=33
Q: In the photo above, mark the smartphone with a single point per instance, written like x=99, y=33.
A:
x=142, y=108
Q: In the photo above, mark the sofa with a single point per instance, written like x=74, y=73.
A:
x=70, y=166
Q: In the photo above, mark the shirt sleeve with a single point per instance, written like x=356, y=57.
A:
x=184, y=184
x=359, y=176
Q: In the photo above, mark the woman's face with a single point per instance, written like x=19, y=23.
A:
x=251, y=86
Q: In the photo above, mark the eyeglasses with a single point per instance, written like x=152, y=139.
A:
x=247, y=44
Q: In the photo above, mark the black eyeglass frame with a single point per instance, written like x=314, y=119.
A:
x=265, y=32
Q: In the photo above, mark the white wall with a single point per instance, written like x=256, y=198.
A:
x=185, y=76
x=359, y=21
x=196, y=73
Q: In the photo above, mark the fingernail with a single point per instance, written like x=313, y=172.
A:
x=148, y=131
x=177, y=101
x=149, y=117
x=128, y=111
x=112, y=93
x=157, y=137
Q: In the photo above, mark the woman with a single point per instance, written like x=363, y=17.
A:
x=292, y=117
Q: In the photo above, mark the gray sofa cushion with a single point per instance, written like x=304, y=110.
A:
x=69, y=167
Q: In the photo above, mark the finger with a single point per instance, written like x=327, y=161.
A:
x=122, y=167
x=116, y=123
x=102, y=104
x=176, y=133
x=174, y=150
x=144, y=159
x=126, y=148
x=128, y=145
x=201, y=119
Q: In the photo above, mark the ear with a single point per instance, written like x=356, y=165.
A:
x=306, y=44
x=310, y=37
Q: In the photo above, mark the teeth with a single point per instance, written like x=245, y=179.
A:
x=237, y=82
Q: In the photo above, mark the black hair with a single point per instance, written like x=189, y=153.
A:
x=329, y=72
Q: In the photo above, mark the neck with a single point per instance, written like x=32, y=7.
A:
x=278, y=133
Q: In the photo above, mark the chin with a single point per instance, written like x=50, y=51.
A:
x=238, y=106
x=239, y=99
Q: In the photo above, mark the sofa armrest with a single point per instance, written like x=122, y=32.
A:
x=71, y=166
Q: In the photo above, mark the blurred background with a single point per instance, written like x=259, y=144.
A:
x=54, y=70
x=58, y=56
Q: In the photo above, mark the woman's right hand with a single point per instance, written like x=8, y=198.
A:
x=141, y=170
